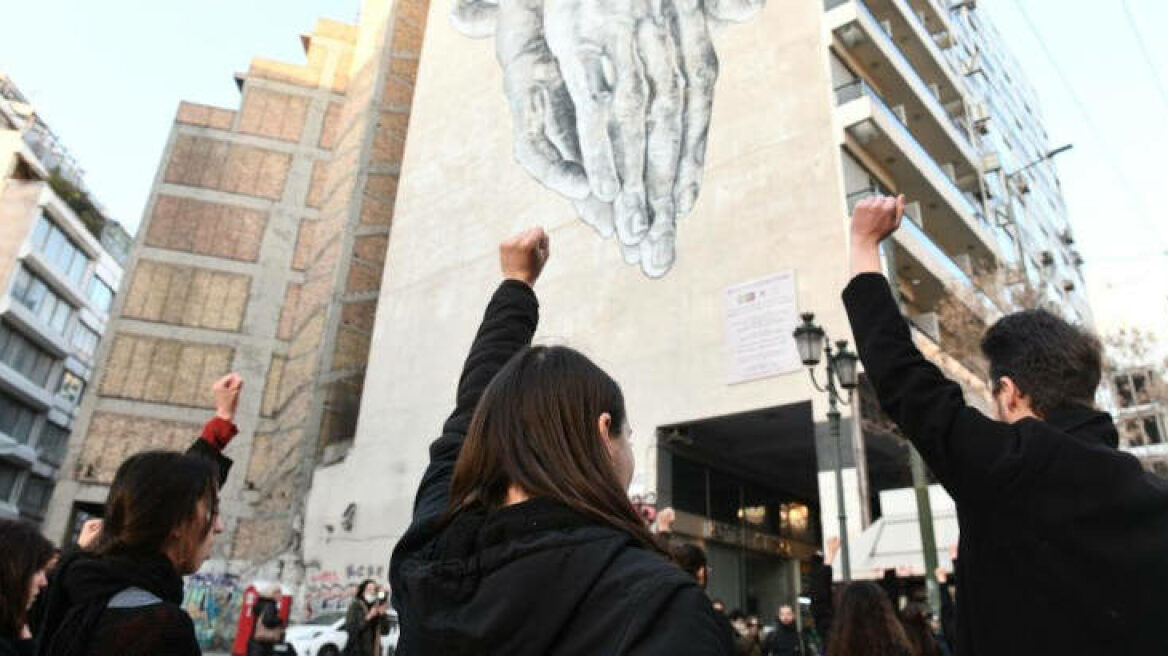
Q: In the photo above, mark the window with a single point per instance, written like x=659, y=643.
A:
x=34, y=498
x=16, y=418
x=59, y=250
x=72, y=387
x=33, y=293
x=51, y=445
x=85, y=341
x=101, y=295
x=18, y=352
x=8, y=476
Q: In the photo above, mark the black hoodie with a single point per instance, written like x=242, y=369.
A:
x=1064, y=539
x=533, y=578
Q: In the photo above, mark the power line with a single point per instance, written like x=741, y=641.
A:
x=1145, y=52
x=1117, y=167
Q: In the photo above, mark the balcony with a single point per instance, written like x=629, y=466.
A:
x=940, y=130
x=955, y=223
x=913, y=39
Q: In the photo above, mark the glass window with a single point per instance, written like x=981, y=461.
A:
x=85, y=341
x=101, y=295
x=51, y=445
x=66, y=256
x=18, y=352
x=16, y=418
x=34, y=498
x=8, y=476
x=72, y=387
x=33, y=293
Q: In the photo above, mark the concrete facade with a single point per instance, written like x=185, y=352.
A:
x=260, y=252
x=56, y=282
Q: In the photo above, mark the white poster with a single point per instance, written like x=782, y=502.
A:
x=761, y=317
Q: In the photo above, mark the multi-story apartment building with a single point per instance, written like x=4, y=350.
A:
x=60, y=265
x=1138, y=397
x=266, y=249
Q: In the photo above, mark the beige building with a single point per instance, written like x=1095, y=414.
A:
x=266, y=250
x=60, y=262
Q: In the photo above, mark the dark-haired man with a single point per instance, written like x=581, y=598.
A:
x=1064, y=539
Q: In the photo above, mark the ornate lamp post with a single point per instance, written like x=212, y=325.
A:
x=841, y=366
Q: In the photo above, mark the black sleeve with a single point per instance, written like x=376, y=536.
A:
x=508, y=325
x=821, y=602
x=221, y=462
x=971, y=454
x=948, y=612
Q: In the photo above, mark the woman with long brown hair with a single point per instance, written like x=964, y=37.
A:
x=22, y=576
x=865, y=624
x=523, y=538
x=122, y=596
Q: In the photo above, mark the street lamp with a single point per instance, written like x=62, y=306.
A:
x=810, y=340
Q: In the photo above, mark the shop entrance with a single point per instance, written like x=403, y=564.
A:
x=745, y=488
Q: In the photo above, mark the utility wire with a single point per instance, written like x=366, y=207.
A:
x=1117, y=167
x=1145, y=52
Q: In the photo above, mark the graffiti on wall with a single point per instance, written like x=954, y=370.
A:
x=329, y=592
x=208, y=599
x=610, y=105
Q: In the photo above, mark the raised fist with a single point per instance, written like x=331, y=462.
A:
x=523, y=256
x=227, y=391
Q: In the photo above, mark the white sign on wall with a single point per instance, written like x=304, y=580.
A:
x=761, y=317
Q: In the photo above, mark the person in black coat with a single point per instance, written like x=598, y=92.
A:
x=1064, y=539
x=26, y=556
x=123, y=595
x=364, y=621
x=524, y=541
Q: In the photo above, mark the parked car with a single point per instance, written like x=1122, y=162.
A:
x=326, y=636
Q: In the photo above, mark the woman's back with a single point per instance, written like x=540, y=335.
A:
x=538, y=578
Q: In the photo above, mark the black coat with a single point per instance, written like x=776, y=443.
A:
x=16, y=647
x=1064, y=539
x=533, y=578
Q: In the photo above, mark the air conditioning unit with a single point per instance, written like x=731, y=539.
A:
x=935, y=89
x=1022, y=185
x=972, y=65
x=964, y=262
x=944, y=40
x=927, y=323
x=913, y=212
x=1068, y=286
x=991, y=162
x=901, y=114
x=980, y=115
x=1047, y=259
x=1067, y=237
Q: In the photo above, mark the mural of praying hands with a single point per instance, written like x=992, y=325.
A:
x=610, y=103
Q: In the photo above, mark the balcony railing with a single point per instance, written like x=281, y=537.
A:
x=921, y=87
x=859, y=89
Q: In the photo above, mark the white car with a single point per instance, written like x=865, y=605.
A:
x=326, y=636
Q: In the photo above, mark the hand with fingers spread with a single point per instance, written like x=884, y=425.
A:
x=523, y=256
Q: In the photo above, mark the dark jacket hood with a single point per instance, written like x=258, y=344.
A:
x=1085, y=424
x=519, y=576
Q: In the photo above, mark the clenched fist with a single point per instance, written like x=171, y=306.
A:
x=522, y=256
x=227, y=391
x=873, y=220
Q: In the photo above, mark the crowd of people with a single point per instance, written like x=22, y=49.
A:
x=523, y=540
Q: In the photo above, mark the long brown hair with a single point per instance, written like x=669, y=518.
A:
x=26, y=552
x=865, y=624
x=154, y=494
x=536, y=427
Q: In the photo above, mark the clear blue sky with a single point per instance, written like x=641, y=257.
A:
x=109, y=75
